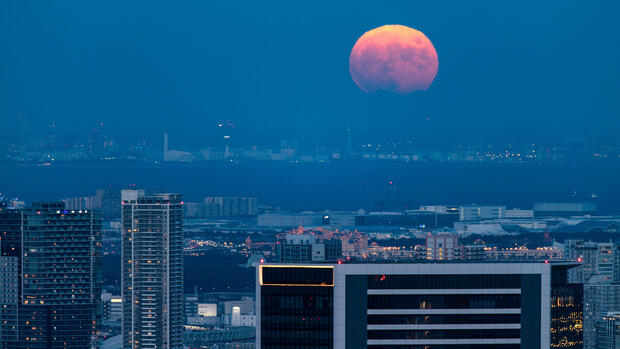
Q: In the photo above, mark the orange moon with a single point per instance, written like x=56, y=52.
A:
x=393, y=58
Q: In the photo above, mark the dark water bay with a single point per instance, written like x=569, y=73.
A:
x=337, y=185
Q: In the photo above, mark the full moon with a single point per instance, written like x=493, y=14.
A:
x=393, y=58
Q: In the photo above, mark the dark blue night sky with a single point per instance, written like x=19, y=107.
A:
x=518, y=70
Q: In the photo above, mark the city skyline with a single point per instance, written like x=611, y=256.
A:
x=310, y=175
x=461, y=238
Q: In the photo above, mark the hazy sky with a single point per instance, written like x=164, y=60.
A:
x=513, y=69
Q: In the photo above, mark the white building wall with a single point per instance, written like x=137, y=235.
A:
x=342, y=270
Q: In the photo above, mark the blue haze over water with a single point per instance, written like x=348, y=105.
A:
x=336, y=185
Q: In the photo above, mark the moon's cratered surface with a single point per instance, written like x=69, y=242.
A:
x=393, y=58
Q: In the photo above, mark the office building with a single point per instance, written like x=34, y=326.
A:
x=596, y=258
x=563, y=209
x=108, y=200
x=410, y=218
x=231, y=206
x=195, y=210
x=502, y=226
x=519, y=213
x=339, y=219
x=304, y=248
x=190, y=306
x=238, y=319
x=80, y=203
x=599, y=296
x=290, y=220
x=566, y=313
x=112, y=307
x=608, y=331
x=444, y=209
x=245, y=304
x=57, y=254
x=152, y=271
x=476, y=213
x=423, y=305
x=522, y=253
x=473, y=252
x=222, y=207
x=207, y=309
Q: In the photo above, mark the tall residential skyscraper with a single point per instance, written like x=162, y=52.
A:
x=152, y=268
x=8, y=299
x=56, y=257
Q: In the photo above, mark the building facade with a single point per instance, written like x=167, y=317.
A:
x=106, y=201
x=109, y=201
x=80, y=203
x=563, y=209
x=442, y=247
x=152, y=270
x=473, y=252
x=424, y=305
x=410, y=218
x=608, y=331
x=223, y=206
x=112, y=307
x=290, y=220
x=596, y=258
x=476, y=213
x=600, y=296
x=57, y=253
x=8, y=299
x=306, y=248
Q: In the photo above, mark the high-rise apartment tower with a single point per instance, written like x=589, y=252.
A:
x=152, y=270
